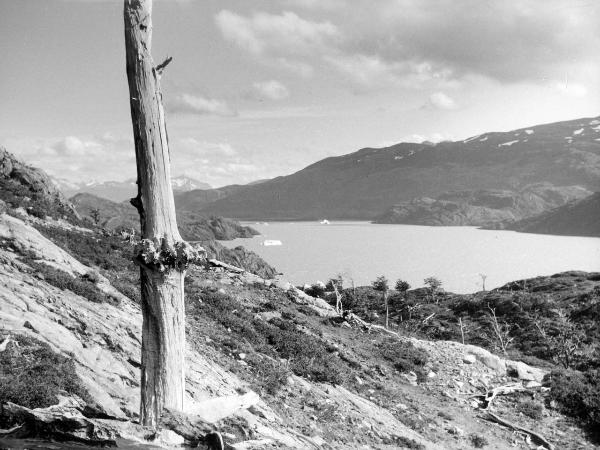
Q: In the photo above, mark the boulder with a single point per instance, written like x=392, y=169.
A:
x=488, y=359
x=66, y=421
x=469, y=359
x=522, y=371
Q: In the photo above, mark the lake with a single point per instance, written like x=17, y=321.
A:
x=456, y=255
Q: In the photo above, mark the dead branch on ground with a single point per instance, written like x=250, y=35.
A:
x=535, y=436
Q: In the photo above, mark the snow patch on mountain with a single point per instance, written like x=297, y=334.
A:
x=508, y=144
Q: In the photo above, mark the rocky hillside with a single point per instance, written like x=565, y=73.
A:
x=577, y=218
x=267, y=365
x=192, y=226
x=28, y=193
x=120, y=191
x=483, y=207
x=365, y=184
x=24, y=186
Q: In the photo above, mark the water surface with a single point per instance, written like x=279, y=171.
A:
x=457, y=255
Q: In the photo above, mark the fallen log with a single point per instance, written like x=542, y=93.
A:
x=506, y=389
x=216, y=263
x=535, y=436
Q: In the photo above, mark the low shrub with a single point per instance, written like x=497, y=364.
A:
x=271, y=374
x=279, y=339
x=63, y=280
x=577, y=394
x=531, y=408
x=108, y=252
x=307, y=355
x=129, y=288
x=405, y=356
x=404, y=442
x=32, y=375
x=316, y=290
x=38, y=204
x=478, y=441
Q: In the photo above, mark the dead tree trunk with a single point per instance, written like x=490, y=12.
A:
x=387, y=310
x=162, y=255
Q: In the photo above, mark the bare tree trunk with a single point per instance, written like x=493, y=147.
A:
x=338, y=299
x=162, y=255
x=387, y=310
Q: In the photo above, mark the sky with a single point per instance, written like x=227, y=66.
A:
x=263, y=88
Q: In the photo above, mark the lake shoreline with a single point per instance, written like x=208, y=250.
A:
x=312, y=252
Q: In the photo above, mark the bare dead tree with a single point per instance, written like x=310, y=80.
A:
x=465, y=328
x=500, y=331
x=568, y=342
x=337, y=286
x=483, y=278
x=161, y=254
x=381, y=284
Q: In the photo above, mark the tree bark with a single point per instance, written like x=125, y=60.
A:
x=162, y=256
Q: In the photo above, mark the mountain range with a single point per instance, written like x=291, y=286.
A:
x=563, y=157
x=119, y=191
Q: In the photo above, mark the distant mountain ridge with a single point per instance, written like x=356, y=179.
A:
x=118, y=191
x=576, y=218
x=487, y=208
x=366, y=183
x=192, y=226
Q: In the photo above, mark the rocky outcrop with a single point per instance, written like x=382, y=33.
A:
x=35, y=183
x=489, y=208
x=240, y=257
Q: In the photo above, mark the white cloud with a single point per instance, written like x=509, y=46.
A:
x=300, y=68
x=79, y=158
x=506, y=41
x=317, y=4
x=264, y=32
x=73, y=146
x=416, y=41
x=570, y=88
x=217, y=163
x=272, y=90
x=372, y=71
x=193, y=104
x=439, y=100
x=195, y=148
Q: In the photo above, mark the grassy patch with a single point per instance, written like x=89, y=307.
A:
x=83, y=286
x=32, y=375
x=107, y=252
x=305, y=355
x=37, y=204
x=404, y=356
